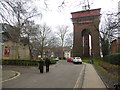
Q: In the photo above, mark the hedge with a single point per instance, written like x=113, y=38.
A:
x=113, y=58
x=23, y=62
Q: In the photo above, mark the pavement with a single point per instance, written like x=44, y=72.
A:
x=91, y=78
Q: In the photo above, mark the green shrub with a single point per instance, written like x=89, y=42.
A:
x=52, y=61
x=113, y=58
x=86, y=60
x=22, y=62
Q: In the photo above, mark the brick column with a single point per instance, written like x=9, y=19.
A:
x=77, y=42
x=85, y=20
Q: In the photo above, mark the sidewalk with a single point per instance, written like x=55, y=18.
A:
x=91, y=78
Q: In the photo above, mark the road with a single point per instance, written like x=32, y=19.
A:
x=61, y=75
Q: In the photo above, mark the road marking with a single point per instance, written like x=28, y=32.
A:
x=17, y=75
x=78, y=79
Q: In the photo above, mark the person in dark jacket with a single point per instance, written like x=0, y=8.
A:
x=41, y=66
x=47, y=62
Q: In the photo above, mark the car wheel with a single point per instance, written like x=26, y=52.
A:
x=74, y=62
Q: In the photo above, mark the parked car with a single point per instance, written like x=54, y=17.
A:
x=70, y=59
x=77, y=60
x=55, y=58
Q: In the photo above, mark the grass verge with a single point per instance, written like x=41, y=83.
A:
x=109, y=73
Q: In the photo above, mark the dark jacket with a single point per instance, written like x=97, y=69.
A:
x=47, y=61
x=41, y=64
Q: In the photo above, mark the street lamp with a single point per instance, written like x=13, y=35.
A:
x=1, y=57
x=0, y=45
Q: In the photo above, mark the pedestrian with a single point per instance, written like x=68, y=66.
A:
x=41, y=66
x=47, y=62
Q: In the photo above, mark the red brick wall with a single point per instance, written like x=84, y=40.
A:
x=86, y=13
x=115, y=46
x=86, y=20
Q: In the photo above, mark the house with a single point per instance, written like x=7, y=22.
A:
x=67, y=52
x=115, y=46
x=12, y=46
x=61, y=52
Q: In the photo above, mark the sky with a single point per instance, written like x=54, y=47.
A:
x=61, y=16
x=54, y=16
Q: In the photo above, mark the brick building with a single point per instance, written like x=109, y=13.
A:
x=61, y=52
x=11, y=48
x=115, y=46
x=14, y=50
x=86, y=28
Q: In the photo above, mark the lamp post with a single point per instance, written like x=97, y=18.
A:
x=0, y=45
x=0, y=57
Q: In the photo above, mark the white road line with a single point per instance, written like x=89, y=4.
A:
x=78, y=79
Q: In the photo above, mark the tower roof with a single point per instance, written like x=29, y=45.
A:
x=86, y=13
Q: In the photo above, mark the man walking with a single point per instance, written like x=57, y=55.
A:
x=47, y=62
x=41, y=66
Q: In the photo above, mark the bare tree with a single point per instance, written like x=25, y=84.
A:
x=17, y=13
x=69, y=40
x=62, y=33
x=108, y=31
x=53, y=41
x=110, y=27
x=77, y=3
x=43, y=37
x=29, y=31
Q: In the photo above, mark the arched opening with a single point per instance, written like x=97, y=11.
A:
x=87, y=43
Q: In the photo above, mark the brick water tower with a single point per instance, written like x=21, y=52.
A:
x=86, y=33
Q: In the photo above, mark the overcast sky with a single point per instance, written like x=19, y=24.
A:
x=61, y=16
x=54, y=16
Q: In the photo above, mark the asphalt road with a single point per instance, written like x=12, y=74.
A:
x=61, y=75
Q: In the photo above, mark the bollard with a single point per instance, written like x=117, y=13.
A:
x=92, y=61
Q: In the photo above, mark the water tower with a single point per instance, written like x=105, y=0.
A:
x=86, y=33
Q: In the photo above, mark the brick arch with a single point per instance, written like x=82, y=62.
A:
x=86, y=42
x=83, y=22
x=85, y=31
